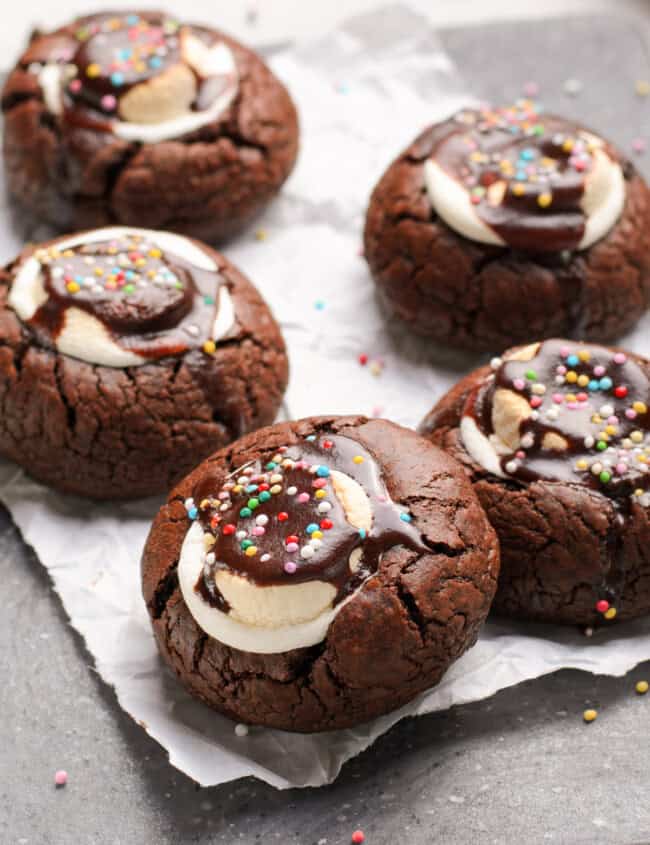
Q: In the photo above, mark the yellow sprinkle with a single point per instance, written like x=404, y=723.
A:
x=567, y=146
x=582, y=464
x=639, y=492
x=583, y=380
x=208, y=541
x=596, y=418
x=518, y=189
x=151, y=274
x=73, y=287
x=261, y=235
x=584, y=355
x=204, y=504
x=640, y=407
x=590, y=715
x=209, y=347
x=99, y=271
x=547, y=162
x=357, y=459
x=140, y=262
x=544, y=199
x=317, y=535
x=237, y=488
x=571, y=397
x=251, y=551
x=140, y=67
x=93, y=70
x=155, y=253
x=571, y=377
x=642, y=687
x=320, y=494
x=611, y=613
x=276, y=489
x=642, y=87
x=68, y=253
x=636, y=436
x=112, y=250
x=602, y=435
x=611, y=429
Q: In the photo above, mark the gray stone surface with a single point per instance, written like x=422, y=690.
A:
x=519, y=768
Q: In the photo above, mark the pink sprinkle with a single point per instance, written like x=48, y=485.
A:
x=60, y=777
x=319, y=482
x=558, y=398
x=630, y=414
x=108, y=102
x=377, y=411
x=561, y=370
x=224, y=495
x=519, y=384
x=75, y=86
x=290, y=566
x=535, y=402
x=620, y=358
x=381, y=498
x=564, y=351
x=599, y=371
x=621, y=468
x=259, y=530
x=303, y=497
x=639, y=145
x=572, y=406
x=521, y=455
x=531, y=89
x=612, y=420
x=292, y=547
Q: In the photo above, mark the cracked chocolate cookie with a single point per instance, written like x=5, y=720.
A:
x=127, y=356
x=502, y=224
x=316, y=574
x=139, y=119
x=556, y=440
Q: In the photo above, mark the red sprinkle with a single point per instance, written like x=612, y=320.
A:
x=228, y=529
x=327, y=444
x=263, y=487
x=621, y=392
x=326, y=524
x=358, y=837
x=291, y=539
x=363, y=359
x=535, y=402
x=283, y=516
x=602, y=606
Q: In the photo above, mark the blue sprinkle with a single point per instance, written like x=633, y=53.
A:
x=322, y=472
x=319, y=305
x=117, y=79
x=520, y=176
x=79, y=279
x=527, y=154
x=573, y=360
x=155, y=62
x=405, y=517
x=362, y=533
x=271, y=465
x=193, y=513
x=251, y=488
x=606, y=383
x=311, y=528
x=594, y=385
x=245, y=512
x=132, y=20
x=311, y=438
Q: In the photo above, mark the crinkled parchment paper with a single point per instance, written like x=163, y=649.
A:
x=363, y=93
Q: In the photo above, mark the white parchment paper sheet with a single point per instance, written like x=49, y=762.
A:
x=363, y=93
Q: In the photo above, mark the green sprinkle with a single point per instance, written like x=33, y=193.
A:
x=209, y=300
x=253, y=503
x=605, y=476
x=271, y=465
x=264, y=496
x=129, y=288
x=531, y=375
x=244, y=512
x=245, y=544
x=601, y=445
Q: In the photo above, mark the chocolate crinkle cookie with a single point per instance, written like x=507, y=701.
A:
x=140, y=119
x=502, y=224
x=127, y=356
x=318, y=573
x=555, y=437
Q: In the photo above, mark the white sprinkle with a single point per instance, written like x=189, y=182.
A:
x=307, y=552
x=572, y=87
x=511, y=466
x=189, y=503
x=262, y=519
x=606, y=410
x=316, y=543
x=324, y=507
x=291, y=491
x=495, y=363
x=553, y=413
x=210, y=558
x=589, y=442
x=241, y=535
x=265, y=557
x=527, y=441
x=241, y=730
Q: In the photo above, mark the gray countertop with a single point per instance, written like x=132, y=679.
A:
x=520, y=767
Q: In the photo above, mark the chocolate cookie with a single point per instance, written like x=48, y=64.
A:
x=318, y=573
x=139, y=119
x=126, y=356
x=556, y=439
x=498, y=225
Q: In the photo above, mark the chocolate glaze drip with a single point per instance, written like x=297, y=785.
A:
x=152, y=303
x=604, y=422
x=539, y=164
x=289, y=517
x=106, y=68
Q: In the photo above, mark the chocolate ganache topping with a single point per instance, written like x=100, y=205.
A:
x=531, y=179
x=143, y=69
x=293, y=519
x=150, y=302
x=579, y=413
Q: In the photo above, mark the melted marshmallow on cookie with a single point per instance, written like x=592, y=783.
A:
x=144, y=78
x=277, y=549
x=517, y=177
x=123, y=297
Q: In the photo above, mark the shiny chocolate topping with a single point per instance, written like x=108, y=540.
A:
x=152, y=303
x=525, y=172
x=282, y=522
x=587, y=419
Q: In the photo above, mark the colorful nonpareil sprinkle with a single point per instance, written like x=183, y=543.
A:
x=642, y=687
x=590, y=715
x=60, y=778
